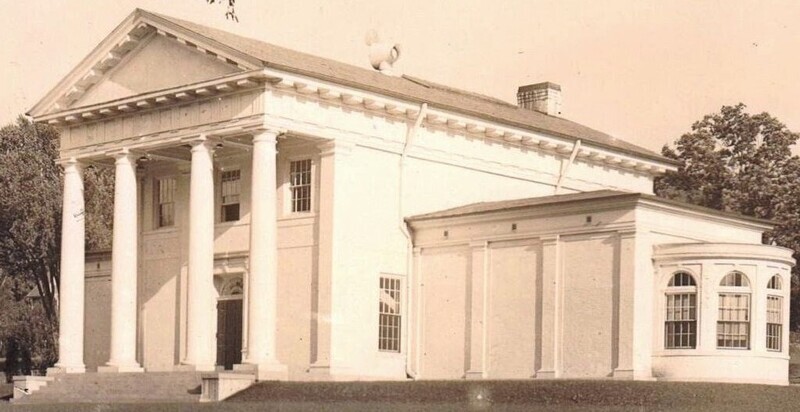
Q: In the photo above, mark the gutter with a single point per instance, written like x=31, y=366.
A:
x=404, y=229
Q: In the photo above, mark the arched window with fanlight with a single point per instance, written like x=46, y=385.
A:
x=774, y=313
x=680, y=324
x=733, y=316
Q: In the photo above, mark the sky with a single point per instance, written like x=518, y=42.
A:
x=642, y=71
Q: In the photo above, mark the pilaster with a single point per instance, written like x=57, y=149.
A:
x=479, y=292
x=331, y=153
x=625, y=295
x=551, y=309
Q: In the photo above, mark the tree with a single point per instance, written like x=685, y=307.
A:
x=739, y=162
x=30, y=221
x=231, y=12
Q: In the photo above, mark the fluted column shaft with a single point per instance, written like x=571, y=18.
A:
x=124, y=267
x=262, y=282
x=200, y=337
x=71, y=291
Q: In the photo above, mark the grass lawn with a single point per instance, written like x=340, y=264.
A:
x=566, y=395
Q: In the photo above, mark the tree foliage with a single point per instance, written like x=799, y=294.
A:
x=30, y=223
x=740, y=162
x=231, y=11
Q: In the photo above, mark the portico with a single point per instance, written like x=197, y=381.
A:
x=261, y=278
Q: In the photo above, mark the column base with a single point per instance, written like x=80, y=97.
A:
x=474, y=375
x=319, y=372
x=195, y=368
x=133, y=368
x=545, y=374
x=624, y=374
x=267, y=371
x=59, y=369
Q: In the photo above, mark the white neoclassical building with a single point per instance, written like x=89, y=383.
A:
x=305, y=219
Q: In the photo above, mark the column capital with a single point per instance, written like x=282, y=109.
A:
x=70, y=164
x=335, y=147
x=202, y=143
x=121, y=154
x=266, y=136
x=549, y=239
x=267, y=130
x=480, y=244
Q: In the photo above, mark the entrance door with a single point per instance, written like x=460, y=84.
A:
x=229, y=332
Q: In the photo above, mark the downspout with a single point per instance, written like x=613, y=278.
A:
x=565, y=166
x=404, y=229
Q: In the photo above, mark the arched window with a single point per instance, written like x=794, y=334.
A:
x=774, y=283
x=774, y=315
x=733, y=316
x=232, y=287
x=680, y=323
x=735, y=279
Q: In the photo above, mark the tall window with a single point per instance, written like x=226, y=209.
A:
x=165, y=195
x=680, y=325
x=774, y=315
x=300, y=185
x=733, y=318
x=389, y=315
x=230, y=195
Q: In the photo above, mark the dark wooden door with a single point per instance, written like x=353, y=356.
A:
x=229, y=332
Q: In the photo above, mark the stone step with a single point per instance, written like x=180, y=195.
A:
x=122, y=387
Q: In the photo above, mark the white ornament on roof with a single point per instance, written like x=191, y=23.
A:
x=381, y=55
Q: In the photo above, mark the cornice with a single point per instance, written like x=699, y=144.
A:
x=737, y=251
x=435, y=119
x=438, y=118
x=715, y=216
x=157, y=99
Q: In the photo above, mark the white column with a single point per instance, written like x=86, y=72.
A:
x=262, y=285
x=200, y=336
x=124, y=267
x=71, y=293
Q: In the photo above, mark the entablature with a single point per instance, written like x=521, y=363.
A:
x=330, y=93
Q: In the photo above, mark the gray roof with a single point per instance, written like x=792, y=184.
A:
x=410, y=89
x=505, y=205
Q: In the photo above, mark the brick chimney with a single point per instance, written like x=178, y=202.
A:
x=542, y=97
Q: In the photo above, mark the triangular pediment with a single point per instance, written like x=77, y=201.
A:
x=158, y=63
x=145, y=53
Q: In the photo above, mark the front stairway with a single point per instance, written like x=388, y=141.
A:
x=118, y=387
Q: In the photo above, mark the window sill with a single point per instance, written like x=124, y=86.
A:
x=721, y=353
x=297, y=216
x=390, y=355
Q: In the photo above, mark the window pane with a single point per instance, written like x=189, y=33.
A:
x=389, y=320
x=231, y=190
x=165, y=202
x=774, y=283
x=300, y=185
x=733, y=325
x=680, y=328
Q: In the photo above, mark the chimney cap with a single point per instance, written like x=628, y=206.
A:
x=539, y=86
